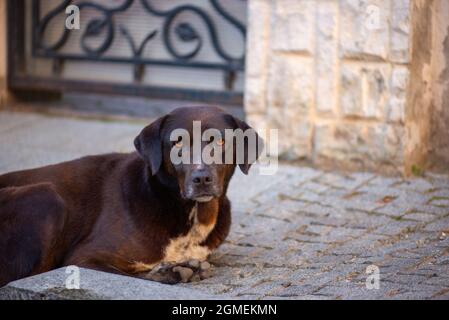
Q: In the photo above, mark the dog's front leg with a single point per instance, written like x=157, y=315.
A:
x=172, y=273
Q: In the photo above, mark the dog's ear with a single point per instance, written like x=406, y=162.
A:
x=252, y=153
x=149, y=144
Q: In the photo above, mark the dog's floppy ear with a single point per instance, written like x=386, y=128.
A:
x=149, y=145
x=252, y=153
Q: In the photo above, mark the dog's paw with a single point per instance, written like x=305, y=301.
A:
x=172, y=273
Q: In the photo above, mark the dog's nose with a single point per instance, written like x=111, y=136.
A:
x=201, y=178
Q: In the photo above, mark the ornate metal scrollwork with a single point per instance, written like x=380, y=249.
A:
x=105, y=28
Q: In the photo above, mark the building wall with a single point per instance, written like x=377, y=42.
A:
x=332, y=75
x=2, y=53
x=427, y=117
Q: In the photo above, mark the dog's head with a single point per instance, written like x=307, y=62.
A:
x=201, y=168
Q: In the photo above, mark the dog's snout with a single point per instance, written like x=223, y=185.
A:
x=202, y=184
x=202, y=177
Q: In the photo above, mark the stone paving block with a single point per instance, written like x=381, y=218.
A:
x=360, y=201
x=418, y=185
x=395, y=227
x=294, y=291
x=420, y=292
x=258, y=184
x=438, y=225
x=341, y=234
x=314, y=187
x=381, y=183
x=438, y=180
x=347, y=249
x=438, y=192
x=347, y=182
x=421, y=217
x=317, y=210
x=443, y=240
x=438, y=279
x=412, y=280
x=366, y=220
x=350, y=291
x=291, y=174
x=331, y=221
x=442, y=202
x=437, y=211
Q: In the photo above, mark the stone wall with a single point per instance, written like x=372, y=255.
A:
x=332, y=75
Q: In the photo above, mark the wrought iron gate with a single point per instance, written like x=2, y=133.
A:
x=150, y=38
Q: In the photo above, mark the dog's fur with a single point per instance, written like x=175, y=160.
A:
x=121, y=213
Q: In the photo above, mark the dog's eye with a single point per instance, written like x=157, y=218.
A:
x=178, y=144
x=220, y=142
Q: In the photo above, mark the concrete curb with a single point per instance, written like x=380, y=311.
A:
x=95, y=285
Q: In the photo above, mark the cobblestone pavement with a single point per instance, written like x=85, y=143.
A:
x=301, y=234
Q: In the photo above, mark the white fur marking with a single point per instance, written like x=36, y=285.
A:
x=188, y=247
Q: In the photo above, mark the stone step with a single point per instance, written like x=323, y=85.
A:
x=95, y=285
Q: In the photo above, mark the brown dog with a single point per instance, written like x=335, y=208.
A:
x=121, y=213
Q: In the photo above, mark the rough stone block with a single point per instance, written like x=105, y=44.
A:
x=255, y=95
x=293, y=93
x=326, y=56
x=258, y=34
x=364, y=28
x=294, y=26
x=398, y=96
x=400, y=31
x=364, y=90
x=362, y=143
x=290, y=102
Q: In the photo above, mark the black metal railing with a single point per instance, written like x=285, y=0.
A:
x=105, y=29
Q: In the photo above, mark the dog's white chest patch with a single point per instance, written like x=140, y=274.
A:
x=188, y=247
